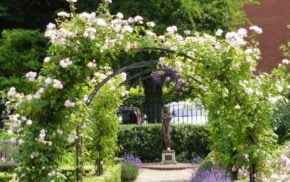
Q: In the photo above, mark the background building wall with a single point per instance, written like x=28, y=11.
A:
x=272, y=16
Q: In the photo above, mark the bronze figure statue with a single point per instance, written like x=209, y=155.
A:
x=166, y=127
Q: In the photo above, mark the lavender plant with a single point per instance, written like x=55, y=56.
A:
x=130, y=158
x=130, y=167
x=214, y=174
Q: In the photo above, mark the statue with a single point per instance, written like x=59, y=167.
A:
x=166, y=127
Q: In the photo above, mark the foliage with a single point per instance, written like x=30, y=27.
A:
x=112, y=174
x=281, y=122
x=281, y=164
x=21, y=14
x=239, y=103
x=5, y=177
x=134, y=98
x=198, y=15
x=194, y=15
x=102, y=127
x=145, y=141
x=129, y=171
x=20, y=51
x=130, y=166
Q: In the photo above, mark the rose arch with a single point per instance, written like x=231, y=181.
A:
x=84, y=47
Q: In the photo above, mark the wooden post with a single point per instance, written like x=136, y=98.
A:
x=78, y=155
x=253, y=173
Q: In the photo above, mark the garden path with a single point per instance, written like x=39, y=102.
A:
x=150, y=175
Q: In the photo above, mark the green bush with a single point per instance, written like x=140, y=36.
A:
x=21, y=51
x=146, y=141
x=129, y=172
x=201, y=15
x=5, y=177
x=281, y=123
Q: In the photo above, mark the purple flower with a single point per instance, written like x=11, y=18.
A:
x=196, y=160
x=130, y=158
x=155, y=77
x=180, y=84
x=213, y=174
x=169, y=73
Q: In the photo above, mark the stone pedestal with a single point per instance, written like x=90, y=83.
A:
x=168, y=157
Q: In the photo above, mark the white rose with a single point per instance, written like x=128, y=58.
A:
x=285, y=61
x=257, y=29
x=29, y=122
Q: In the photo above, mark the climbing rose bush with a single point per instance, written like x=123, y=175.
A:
x=221, y=70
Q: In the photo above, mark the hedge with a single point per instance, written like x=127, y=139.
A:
x=146, y=141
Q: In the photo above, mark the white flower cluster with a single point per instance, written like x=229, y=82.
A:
x=90, y=18
x=107, y=1
x=64, y=63
x=46, y=59
x=63, y=14
x=101, y=22
x=120, y=15
x=171, y=30
x=284, y=170
x=38, y=93
x=57, y=84
x=12, y=92
x=71, y=137
x=257, y=29
x=92, y=64
x=58, y=36
x=31, y=76
x=16, y=123
x=285, y=61
x=235, y=38
x=51, y=174
x=69, y=104
x=219, y=32
x=90, y=33
x=275, y=99
x=71, y=1
x=34, y=155
x=41, y=138
x=150, y=24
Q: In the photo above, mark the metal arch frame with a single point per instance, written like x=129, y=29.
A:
x=141, y=64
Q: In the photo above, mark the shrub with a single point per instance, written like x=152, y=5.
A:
x=5, y=177
x=146, y=141
x=281, y=122
x=21, y=51
x=130, y=167
x=213, y=174
x=129, y=158
x=129, y=172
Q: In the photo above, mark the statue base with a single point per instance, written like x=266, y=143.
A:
x=168, y=157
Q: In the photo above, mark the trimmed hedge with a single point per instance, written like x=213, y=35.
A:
x=5, y=177
x=146, y=141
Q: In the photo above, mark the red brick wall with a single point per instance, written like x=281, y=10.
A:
x=272, y=16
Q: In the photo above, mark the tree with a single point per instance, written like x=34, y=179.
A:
x=21, y=51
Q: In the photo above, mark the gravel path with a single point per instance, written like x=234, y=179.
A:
x=149, y=175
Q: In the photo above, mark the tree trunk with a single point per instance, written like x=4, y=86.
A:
x=153, y=100
x=234, y=175
x=253, y=173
